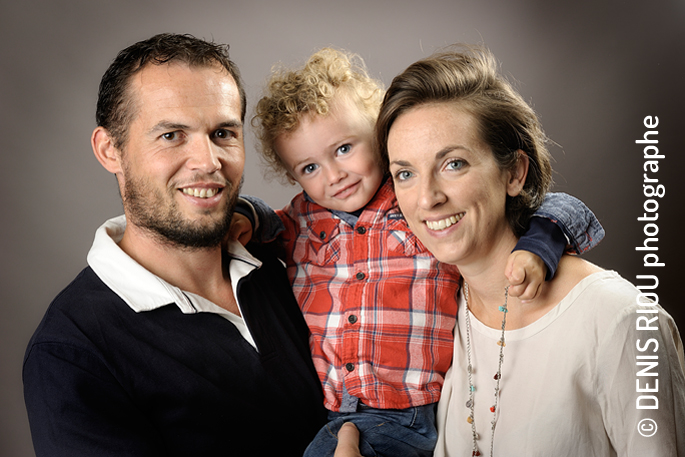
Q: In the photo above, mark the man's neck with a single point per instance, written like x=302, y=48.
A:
x=197, y=270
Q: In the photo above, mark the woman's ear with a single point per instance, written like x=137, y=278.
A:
x=104, y=150
x=518, y=174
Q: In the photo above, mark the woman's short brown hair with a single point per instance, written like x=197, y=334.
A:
x=468, y=76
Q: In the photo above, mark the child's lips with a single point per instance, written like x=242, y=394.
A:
x=347, y=191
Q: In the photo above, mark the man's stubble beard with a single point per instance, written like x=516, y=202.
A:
x=148, y=209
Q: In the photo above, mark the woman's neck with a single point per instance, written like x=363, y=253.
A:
x=487, y=284
x=486, y=280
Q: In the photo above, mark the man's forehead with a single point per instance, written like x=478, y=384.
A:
x=178, y=74
x=175, y=86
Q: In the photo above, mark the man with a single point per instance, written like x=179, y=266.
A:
x=166, y=344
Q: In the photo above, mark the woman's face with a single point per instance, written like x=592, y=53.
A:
x=448, y=185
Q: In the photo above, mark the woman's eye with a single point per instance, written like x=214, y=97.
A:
x=457, y=164
x=344, y=149
x=309, y=168
x=403, y=175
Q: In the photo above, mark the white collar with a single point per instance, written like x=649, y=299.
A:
x=144, y=291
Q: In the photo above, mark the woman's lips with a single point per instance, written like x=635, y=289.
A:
x=442, y=224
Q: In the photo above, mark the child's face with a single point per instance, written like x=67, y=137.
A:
x=332, y=157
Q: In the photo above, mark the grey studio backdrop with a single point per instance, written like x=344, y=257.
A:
x=592, y=70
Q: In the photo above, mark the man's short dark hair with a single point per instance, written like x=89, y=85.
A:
x=114, y=107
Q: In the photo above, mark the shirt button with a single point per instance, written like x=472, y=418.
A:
x=322, y=235
x=349, y=367
x=352, y=319
x=361, y=230
x=360, y=276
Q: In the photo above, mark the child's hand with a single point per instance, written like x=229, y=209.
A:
x=526, y=274
x=240, y=230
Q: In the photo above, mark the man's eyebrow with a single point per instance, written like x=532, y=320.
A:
x=231, y=124
x=171, y=126
x=167, y=125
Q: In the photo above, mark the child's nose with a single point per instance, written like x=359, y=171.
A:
x=335, y=174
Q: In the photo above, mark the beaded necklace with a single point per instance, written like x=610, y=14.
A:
x=498, y=376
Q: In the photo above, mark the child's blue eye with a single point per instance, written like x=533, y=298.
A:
x=309, y=168
x=344, y=149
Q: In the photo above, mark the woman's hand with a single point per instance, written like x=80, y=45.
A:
x=348, y=441
x=526, y=274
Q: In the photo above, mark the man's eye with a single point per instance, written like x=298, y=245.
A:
x=223, y=134
x=344, y=149
x=309, y=168
x=170, y=136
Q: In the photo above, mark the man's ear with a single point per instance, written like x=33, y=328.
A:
x=104, y=150
x=518, y=174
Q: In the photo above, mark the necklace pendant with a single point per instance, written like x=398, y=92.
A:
x=498, y=376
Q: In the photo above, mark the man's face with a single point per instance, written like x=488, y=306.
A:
x=182, y=163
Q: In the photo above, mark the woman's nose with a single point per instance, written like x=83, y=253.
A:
x=430, y=194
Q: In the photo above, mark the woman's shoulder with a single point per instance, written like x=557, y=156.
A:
x=579, y=278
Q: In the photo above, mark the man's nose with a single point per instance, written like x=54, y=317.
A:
x=204, y=155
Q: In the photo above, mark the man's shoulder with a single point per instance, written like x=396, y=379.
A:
x=87, y=289
x=77, y=308
x=264, y=252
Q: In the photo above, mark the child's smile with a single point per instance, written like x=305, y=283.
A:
x=332, y=157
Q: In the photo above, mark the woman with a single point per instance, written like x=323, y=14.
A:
x=591, y=366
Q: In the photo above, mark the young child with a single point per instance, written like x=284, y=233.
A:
x=380, y=308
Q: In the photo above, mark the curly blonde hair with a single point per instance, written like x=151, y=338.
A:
x=292, y=94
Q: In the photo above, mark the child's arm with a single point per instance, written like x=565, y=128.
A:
x=562, y=224
x=269, y=224
x=241, y=228
x=258, y=219
x=578, y=223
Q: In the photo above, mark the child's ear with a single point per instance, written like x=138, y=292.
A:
x=104, y=150
x=291, y=180
x=518, y=174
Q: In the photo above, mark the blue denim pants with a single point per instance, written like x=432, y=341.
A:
x=383, y=432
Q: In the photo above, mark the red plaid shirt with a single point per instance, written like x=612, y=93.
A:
x=381, y=309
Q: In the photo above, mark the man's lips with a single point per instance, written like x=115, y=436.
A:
x=200, y=192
